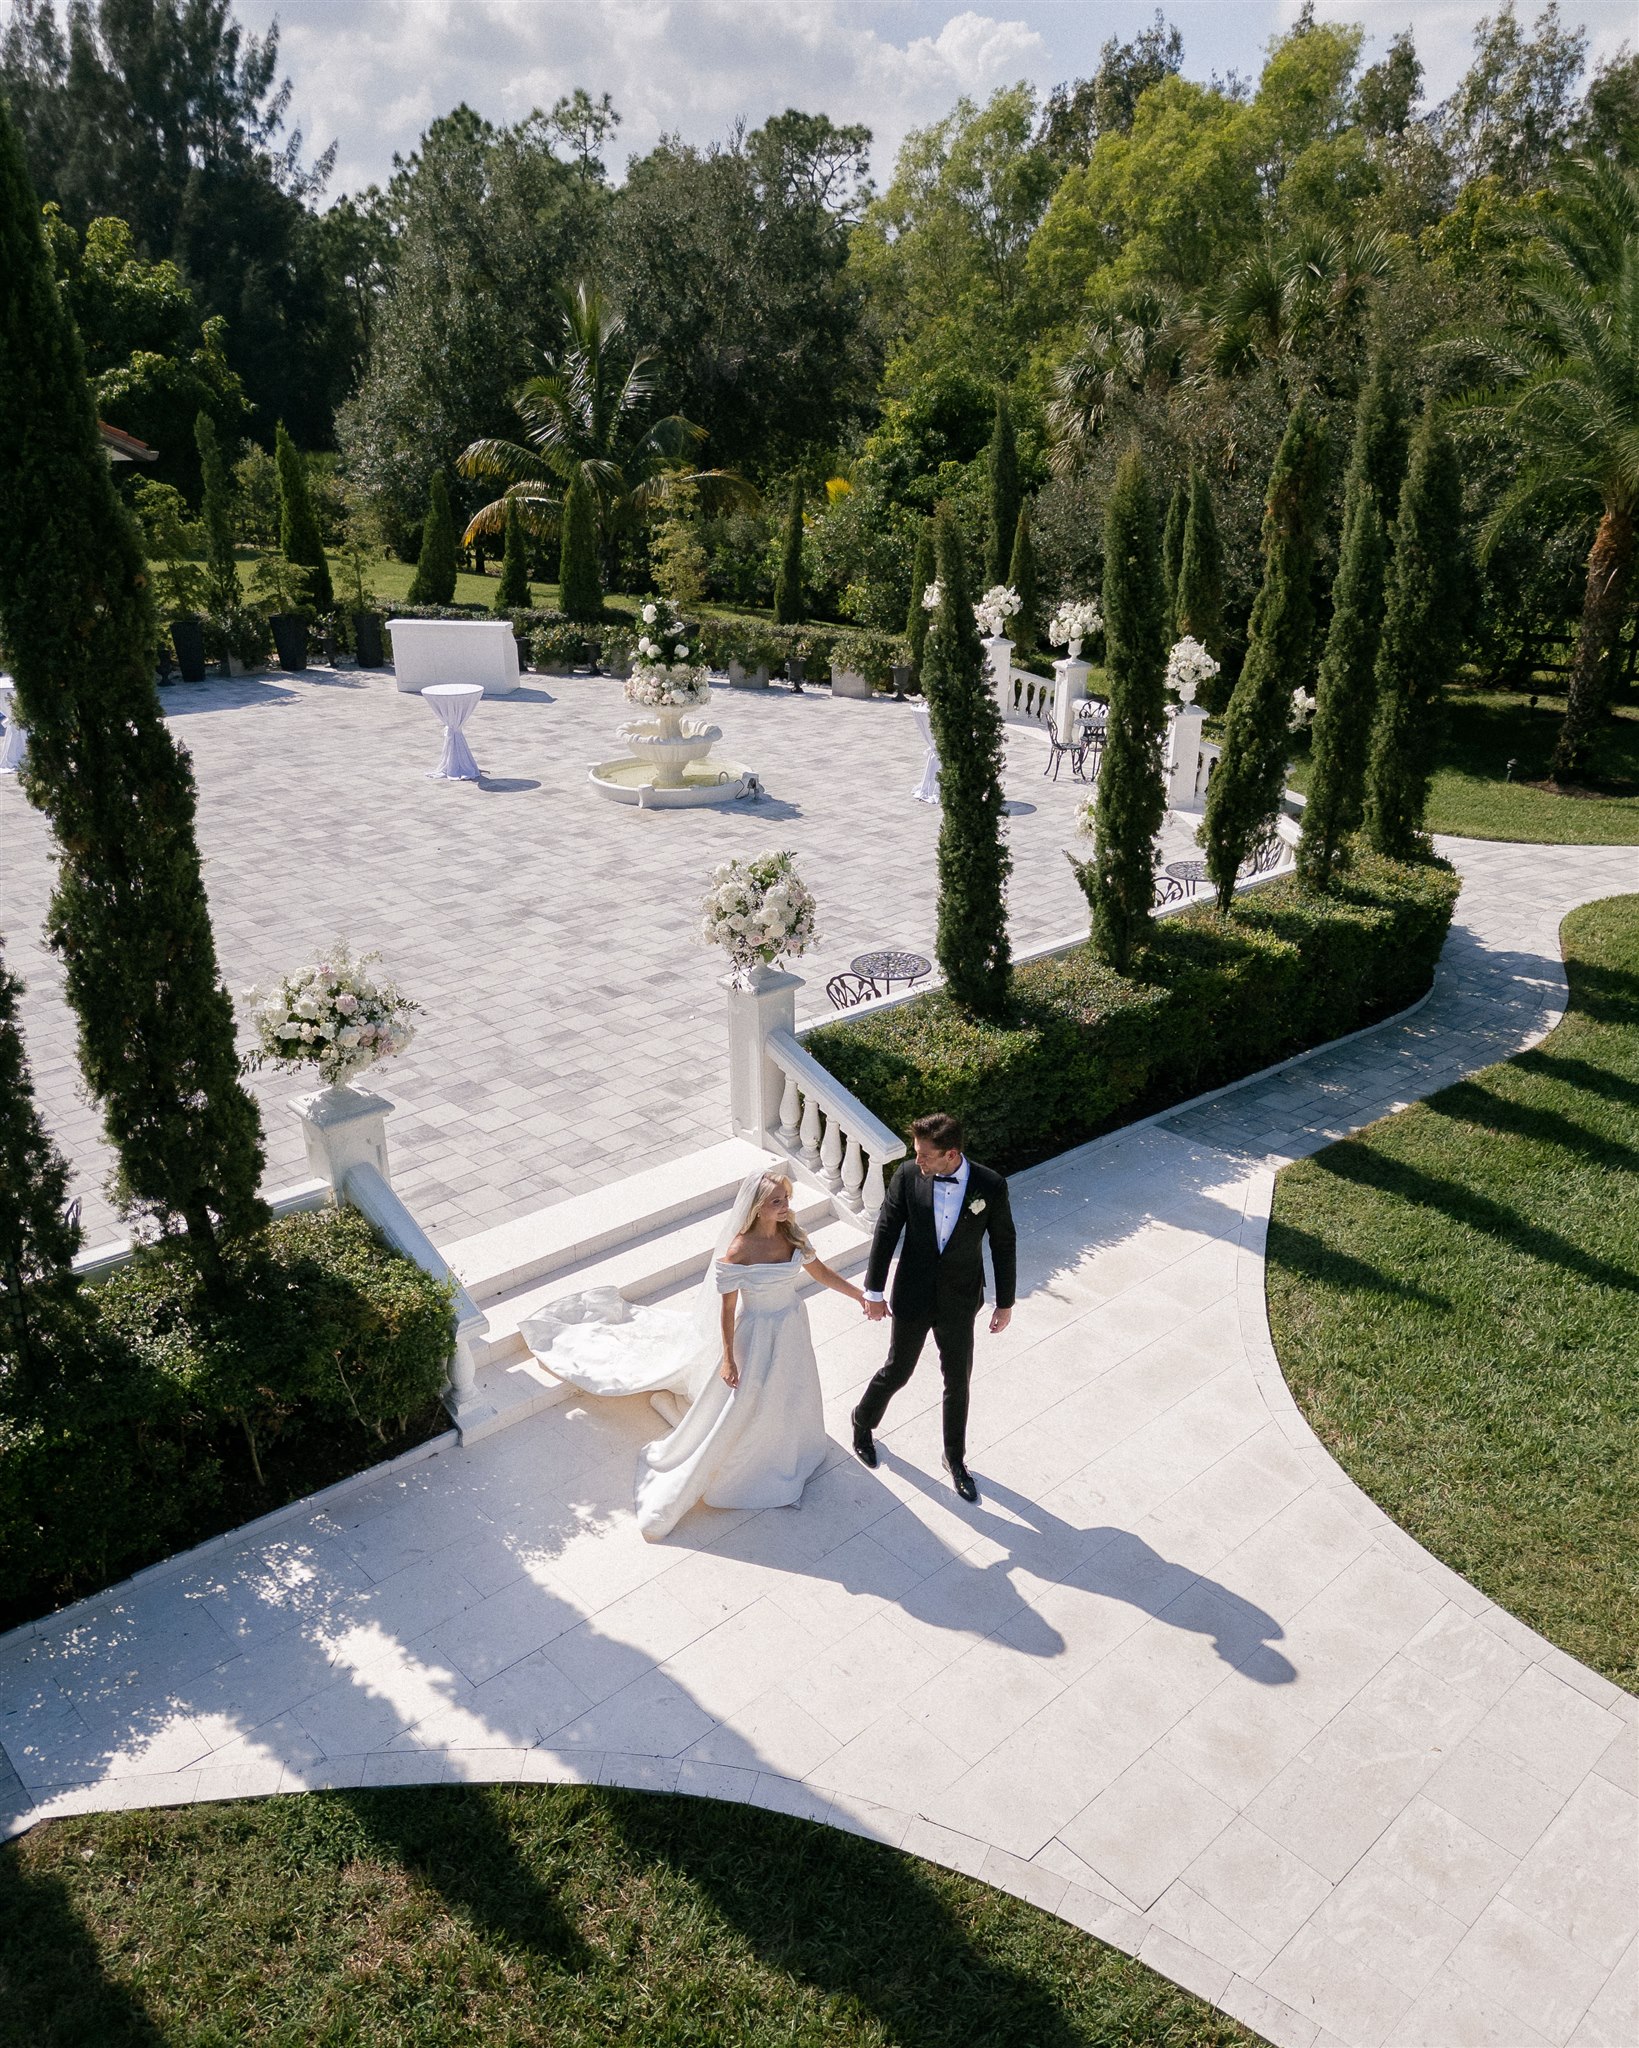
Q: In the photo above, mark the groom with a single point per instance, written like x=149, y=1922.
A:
x=944, y=1207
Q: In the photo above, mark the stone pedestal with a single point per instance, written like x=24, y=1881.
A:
x=999, y=653
x=754, y=1082
x=1069, y=690
x=343, y=1128
x=1184, y=757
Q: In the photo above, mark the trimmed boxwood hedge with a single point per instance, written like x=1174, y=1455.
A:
x=1212, y=999
x=166, y=1416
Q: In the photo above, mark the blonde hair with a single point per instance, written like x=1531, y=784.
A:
x=788, y=1226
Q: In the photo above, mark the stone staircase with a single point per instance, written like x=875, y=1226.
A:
x=649, y=1235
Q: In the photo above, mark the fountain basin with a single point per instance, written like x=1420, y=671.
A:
x=632, y=781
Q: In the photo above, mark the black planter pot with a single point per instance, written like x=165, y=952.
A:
x=904, y=680
x=796, y=674
x=188, y=638
x=290, y=638
x=367, y=639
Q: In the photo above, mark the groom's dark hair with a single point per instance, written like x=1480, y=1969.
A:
x=940, y=1130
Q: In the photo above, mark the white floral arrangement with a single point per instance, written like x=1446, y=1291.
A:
x=758, y=911
x=661, y=671
x=1077, y=619
x=933, y=596
x=1188, y=667
x=334, y=1015
x=1303, y=710
x=999, y=604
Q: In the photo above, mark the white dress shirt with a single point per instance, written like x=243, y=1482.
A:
x=948, y=1197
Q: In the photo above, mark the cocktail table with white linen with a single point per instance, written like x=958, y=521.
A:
x=454, y=704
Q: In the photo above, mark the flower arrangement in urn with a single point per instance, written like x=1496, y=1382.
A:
x=1188, y=667
x=1077, y=619
x=758, y=911
x=334, y=1015
x=999, y=604
x=662, y=674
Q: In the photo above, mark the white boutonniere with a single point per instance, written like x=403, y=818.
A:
x=976, y=1208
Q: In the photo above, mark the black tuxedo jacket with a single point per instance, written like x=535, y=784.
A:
x=930, y=1283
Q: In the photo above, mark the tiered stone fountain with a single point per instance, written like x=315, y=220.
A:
x=669, y=766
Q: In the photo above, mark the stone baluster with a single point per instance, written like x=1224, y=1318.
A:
x=874, y=1190
x=853, y=1172
x=810, y=1130
x=831, y=1153
x=790, y=1111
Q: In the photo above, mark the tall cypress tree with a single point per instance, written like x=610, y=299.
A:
x=967, y=728
x=1021, y=574
x=512, y=593
x=1004, y=493
x=788, y=585
x=216, y=516
x=1172, y=553
x=37, y=1239
x=1199, y=611
x=1132, y=800
x=923, y=571
x=580, y=591
x=129, y=916
x=434, y=580
x=1245, y=791
x=1346, y=690
x=1422, y=639
x=299, y=540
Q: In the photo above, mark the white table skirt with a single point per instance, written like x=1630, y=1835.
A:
x=454, y=704
x=14, y=743
x=927, y=790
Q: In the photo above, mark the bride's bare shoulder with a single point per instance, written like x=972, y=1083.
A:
x=734, y=1256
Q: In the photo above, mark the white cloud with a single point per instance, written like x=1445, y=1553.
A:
x=372, y=73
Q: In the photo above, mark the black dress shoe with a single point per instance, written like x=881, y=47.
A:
x=961, y=1478
x=864, y=1449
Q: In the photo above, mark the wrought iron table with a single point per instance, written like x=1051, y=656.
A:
x=887, y=967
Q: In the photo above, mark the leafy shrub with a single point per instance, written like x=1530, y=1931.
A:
x=560, y=646
x=168, y=1415
x=873, y=655
x=1211, y=998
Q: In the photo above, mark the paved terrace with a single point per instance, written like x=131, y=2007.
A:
x=573, y=1028
x=1175, y=1679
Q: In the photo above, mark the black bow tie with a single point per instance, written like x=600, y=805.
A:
x=952, y=1177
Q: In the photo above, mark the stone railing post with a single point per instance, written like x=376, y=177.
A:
x=999, y=653
x=769, y=1004
x=343, y=1128
x=1184, y=757
x=1069, y=690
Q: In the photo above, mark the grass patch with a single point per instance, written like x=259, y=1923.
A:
x=538, y=1914
x=1454, y=1295
x=1475, y=796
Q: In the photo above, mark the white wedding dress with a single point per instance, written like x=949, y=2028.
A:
x=755, y=1445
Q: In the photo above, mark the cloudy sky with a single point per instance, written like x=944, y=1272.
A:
x=372, y=73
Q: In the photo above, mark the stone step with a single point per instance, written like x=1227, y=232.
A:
x=516, y=1385
x=495, y=1263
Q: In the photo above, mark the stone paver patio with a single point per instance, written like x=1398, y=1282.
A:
x=1175, y=1679
x=573, y=1027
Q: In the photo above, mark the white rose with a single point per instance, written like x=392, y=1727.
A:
x=648, y=615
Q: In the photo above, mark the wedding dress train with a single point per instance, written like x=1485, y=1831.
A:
x=754, y=1445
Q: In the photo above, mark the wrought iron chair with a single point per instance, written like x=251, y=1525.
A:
x=847, y=991
x=1168, y=889
x=1264, y=858
x=1059, y=751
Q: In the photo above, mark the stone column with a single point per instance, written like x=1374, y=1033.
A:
x=1069, y=690
x=999, y=654
x=1184, y=757
x=343, y=1128
x=754, y=1082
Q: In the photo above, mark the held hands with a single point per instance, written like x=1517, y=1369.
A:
x=875, y=1311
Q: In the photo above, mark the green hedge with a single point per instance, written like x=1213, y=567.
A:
x=1210, y=1000
x=326, y=1354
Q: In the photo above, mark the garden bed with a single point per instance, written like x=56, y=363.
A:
x=1210, y=1000
x=1454, y=1296
x=153, y=1417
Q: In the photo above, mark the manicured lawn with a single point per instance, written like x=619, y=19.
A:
x=1454, y=1296
x=1476, y=796
x=538, y=1914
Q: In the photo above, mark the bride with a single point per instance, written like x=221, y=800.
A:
x=737, y=1379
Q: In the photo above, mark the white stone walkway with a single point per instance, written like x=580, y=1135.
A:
x=1175, y=1678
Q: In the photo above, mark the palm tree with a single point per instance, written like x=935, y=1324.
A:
x=1565, y=384
x=586, y=414
x=1283, y=296
x=1134, y=343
